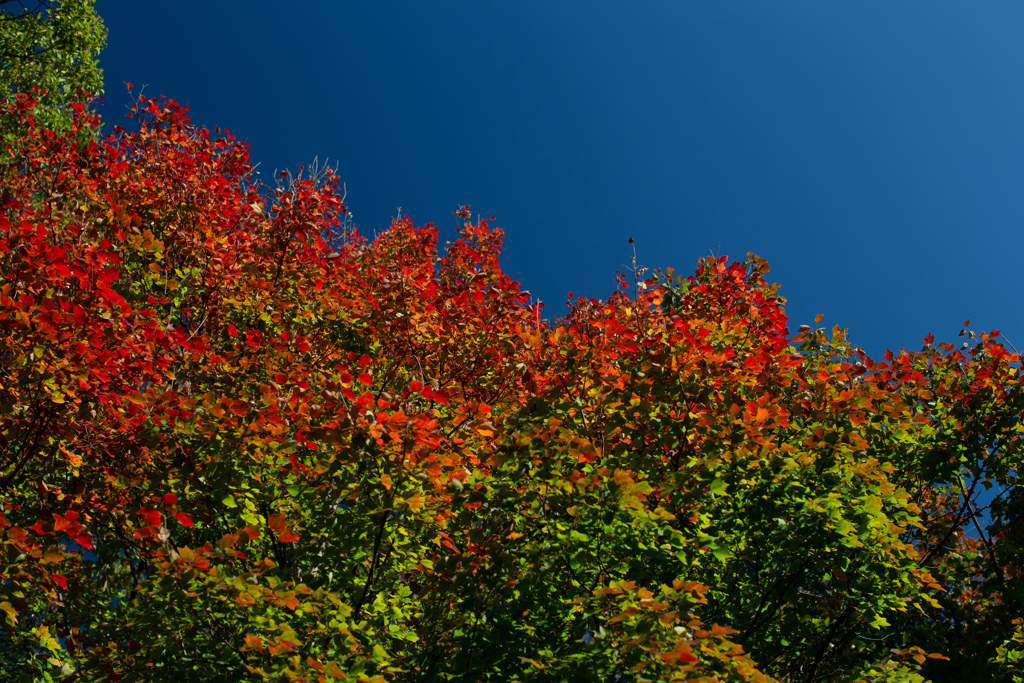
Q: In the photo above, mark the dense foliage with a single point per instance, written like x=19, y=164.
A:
x=52, y=47
x=240, y=444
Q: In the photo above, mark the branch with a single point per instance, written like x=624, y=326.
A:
x=954, y=527
x=1007, y=600
x=373, y=564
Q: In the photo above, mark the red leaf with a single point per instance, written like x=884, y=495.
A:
x=170, y=498
x=152, y=517
x=184, y=519
x=84, y=539
x=431, y=394
x=60, y=580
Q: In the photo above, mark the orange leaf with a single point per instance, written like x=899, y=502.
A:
x=288, y=536
x=277, y=523
x=253, y=642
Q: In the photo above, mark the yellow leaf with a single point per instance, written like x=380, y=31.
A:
x=12, y=614
x=534, y=662
x=414, y=502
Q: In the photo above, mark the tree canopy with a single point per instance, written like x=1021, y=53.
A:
x=239, y=443
x=51, y=47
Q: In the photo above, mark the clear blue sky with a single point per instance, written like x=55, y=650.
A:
x=873, y=152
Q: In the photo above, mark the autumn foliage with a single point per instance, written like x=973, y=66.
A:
x=241, y=443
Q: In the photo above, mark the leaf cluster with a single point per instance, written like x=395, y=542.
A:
x=48, y=48
x=240, y=441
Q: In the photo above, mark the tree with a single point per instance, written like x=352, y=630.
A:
x=51, y=46
x=238, y=445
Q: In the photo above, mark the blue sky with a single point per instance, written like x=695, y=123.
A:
x=873, y=152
